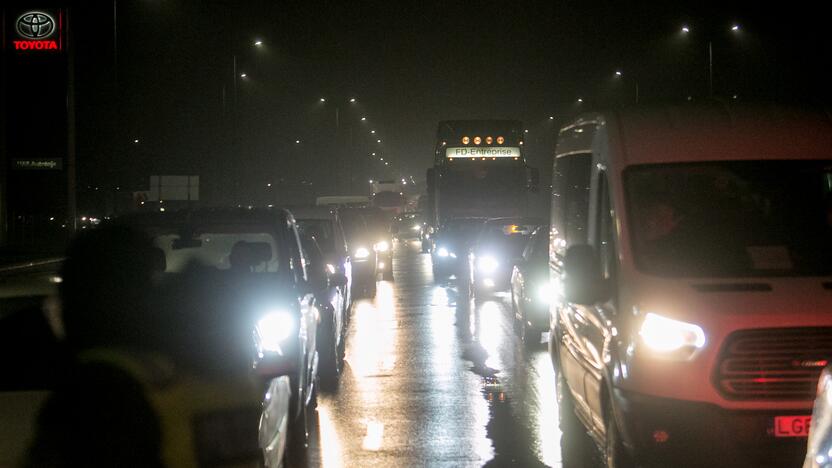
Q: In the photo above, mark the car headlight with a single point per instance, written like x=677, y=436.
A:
x=487, y=264
x=273, y=329
x=545, y=291
x=382, y=246
x=667, y=336
x=362, y=253
x=416, y=227
x=442, y=252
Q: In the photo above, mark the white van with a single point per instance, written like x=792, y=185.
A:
x=691, y=249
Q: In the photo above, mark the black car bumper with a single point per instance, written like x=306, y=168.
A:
x=364, y=272
x=666, y=432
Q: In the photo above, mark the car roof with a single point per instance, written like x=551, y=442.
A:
x=311, y=212
x=705, y=133
x=510, y=220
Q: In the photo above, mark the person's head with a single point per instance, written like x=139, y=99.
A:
x=107, y=281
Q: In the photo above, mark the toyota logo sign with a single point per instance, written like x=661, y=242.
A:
x=35, y=25
x=38, y=30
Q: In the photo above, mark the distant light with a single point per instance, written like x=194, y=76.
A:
x=258, y=43
x=618, y=73
x=374, y=154
x=735, y=97
x=381, y=159
x=268, y=185
x=690, y=98
x=136, y=140
x=162, y=210
x=297, y=142
x=580, y=100
x=378, y=141
x=243, y=75
x=323, y=99
x=51, y=219
x=386, y=164
x=352, y=99
x=551, y=117
x=526, y=131
x=363, y=119
x=56, y=280
x=685, y=29
x=372, y=131
x=371, y=181
x=735, y=27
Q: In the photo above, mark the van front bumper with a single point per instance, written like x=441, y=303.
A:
x=664, y=432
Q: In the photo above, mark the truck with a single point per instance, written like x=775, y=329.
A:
x=479, y=170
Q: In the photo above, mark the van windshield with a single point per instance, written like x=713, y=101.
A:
x=732, y=219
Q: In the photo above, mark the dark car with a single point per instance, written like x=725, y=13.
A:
x=407, y=226
x=244, y=272
x=379, y=233
x=499, y=245
x=330, y=271
x=530, y=288
x=451, y=244
x=362, y=252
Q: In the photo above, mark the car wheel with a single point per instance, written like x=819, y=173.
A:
x=615, y=454
x=577, y=447
x=370, y=291
x=330, y=360
x=297, y=439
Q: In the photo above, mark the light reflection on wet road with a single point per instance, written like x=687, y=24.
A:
x=431, y=382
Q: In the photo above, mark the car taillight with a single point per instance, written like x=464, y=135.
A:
x=227, y=437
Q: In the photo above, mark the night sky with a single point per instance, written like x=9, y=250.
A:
x=409, y=64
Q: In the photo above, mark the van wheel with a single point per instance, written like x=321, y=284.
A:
x=577, y=448
x=615, y=454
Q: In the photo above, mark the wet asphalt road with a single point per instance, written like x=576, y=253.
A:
x=429, y=382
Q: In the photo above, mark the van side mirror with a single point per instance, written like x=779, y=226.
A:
x=582, y=281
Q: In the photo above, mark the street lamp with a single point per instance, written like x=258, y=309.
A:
x=258, y=43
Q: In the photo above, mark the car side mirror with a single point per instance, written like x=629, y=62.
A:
x=338, y=280
x=582, y=281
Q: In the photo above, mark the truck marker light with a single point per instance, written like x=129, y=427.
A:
x=489, y=140
x=466, y=140
x=500, y=140
x=477, y=140
x=660, y=436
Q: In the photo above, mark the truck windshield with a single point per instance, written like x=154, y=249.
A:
x=732, y=219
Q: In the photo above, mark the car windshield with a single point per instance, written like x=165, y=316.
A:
x=742, y=219
x=509, y=238
x=229, y=248
x=462, y=228
x=320, y=229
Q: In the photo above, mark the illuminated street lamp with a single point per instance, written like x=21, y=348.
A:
x=322, y=99
x=258, y=43
x=685, y=29
x=352, y=100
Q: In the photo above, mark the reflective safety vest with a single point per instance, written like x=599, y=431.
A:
x=204, y=420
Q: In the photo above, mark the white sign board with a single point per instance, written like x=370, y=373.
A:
x=482, y=152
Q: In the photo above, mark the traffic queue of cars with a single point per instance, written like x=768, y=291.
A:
x=683, y=280
x=249, y=308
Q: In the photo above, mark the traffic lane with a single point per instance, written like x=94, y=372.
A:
x=430, y=379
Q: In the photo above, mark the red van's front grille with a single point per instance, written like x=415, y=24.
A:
x=773, y=364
